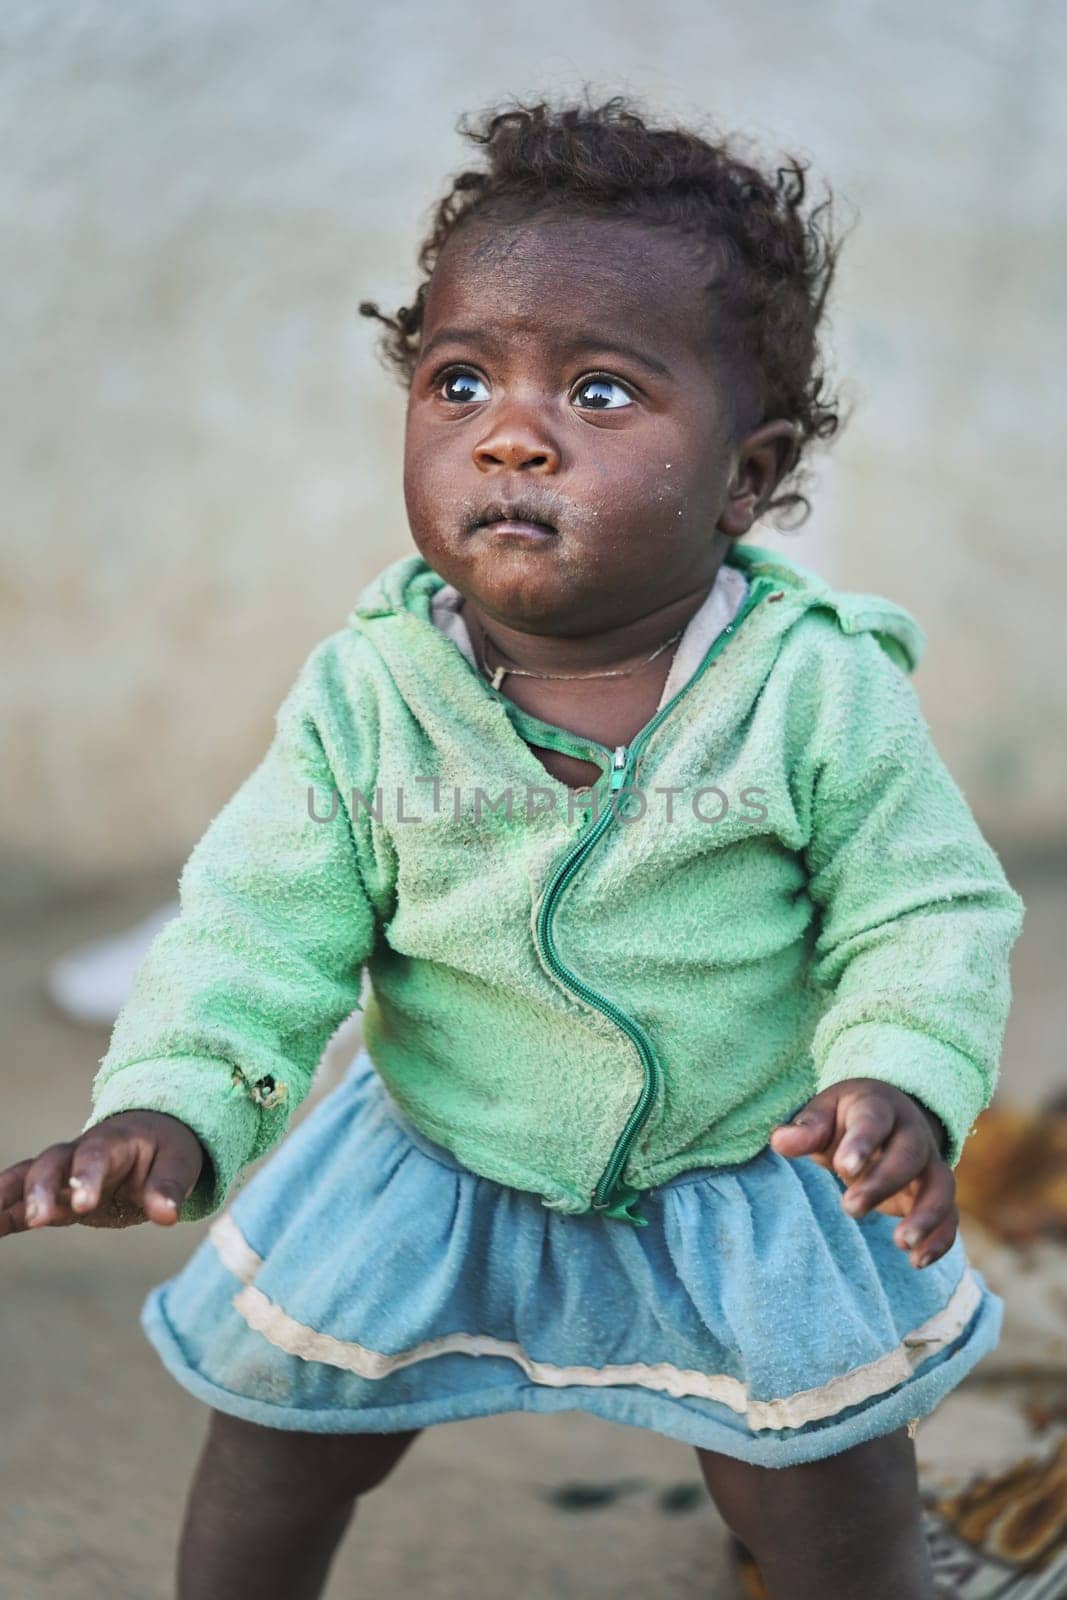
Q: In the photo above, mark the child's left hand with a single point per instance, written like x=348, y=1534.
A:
x=865, y=1127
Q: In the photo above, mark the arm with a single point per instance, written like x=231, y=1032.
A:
x=237, y=997
x=916, y=916
x=917, y=922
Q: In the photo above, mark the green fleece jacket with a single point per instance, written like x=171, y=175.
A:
x=776, y=886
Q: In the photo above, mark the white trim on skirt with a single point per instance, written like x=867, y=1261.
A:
x=793, y=1411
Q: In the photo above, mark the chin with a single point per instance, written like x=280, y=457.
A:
x=506, y=584
x=533, y=607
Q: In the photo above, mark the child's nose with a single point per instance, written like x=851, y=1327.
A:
x=517, y=442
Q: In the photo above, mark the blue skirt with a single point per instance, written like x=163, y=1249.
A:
x=365, y=1281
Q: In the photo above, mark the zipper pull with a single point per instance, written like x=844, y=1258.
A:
x=624, y=1198
x=622, y=1213
x=618, y=767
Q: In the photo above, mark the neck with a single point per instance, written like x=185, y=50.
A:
x=603, y=651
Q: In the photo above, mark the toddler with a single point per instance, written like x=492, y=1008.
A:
x=688, y=964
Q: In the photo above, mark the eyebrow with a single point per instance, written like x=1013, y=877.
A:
x=586, y=342
x=619, y=347
x=452, y=336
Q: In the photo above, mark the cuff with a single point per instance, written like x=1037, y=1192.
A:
x=200, y=1092
x=936, y=1074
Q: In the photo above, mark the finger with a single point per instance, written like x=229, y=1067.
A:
x=868, y=1123
x=12, y=1206
x=45, y=1188
x=811, y=1129
x=12, y=1182
x=936, y=1244
x=934, y=1201
x=114, y=1211
x=14, y=1219
x=906, y=1155
x=100, y=1162
x=171, y=1179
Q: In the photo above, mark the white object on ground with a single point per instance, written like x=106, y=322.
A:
x=92, y=983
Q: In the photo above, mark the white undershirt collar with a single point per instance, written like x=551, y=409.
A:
x=722, y=604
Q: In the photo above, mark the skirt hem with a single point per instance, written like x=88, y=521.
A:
x=687, y=1422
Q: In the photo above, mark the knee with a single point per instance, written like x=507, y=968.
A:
x=850, y=1520
x=736, y=1490
x=319, y=1469
x=363, y=1461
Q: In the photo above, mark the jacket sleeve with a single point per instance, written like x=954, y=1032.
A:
x=236, y=999
x=916, y=916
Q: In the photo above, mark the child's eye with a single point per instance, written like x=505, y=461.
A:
x=601, y=394
x=464, y=388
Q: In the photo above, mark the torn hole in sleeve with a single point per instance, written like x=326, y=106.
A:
x=266, y=1092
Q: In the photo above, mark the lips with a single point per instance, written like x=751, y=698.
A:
x=521, y=518
x=523, y=532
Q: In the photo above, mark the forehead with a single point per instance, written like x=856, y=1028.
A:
x=565, y=278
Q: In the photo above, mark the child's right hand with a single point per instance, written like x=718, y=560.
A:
x=135, y=1167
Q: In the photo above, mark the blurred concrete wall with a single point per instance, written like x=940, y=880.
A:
x=201, y=455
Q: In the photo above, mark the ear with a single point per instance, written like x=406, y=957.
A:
x=763, y=458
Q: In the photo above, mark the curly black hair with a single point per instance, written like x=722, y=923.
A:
x=773, y=257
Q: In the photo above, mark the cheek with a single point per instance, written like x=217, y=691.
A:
x=665, y=487
x=425, y=469
x=689, y=477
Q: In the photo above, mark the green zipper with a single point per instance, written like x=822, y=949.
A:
x=611, y=1196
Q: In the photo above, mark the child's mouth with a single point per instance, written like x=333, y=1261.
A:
x=527, y=532
x=521, y=520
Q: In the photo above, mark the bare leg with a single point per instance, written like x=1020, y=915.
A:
x=267, y=1508
x=846, y=1527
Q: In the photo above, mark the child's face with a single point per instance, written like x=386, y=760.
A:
x=565, y=381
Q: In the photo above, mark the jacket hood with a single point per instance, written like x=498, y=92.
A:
x=408, y=585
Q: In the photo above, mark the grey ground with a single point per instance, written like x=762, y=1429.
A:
x=99, y=1443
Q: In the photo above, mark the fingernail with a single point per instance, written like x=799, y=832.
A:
x=852, y=1202
x=33, y=1211
x=851, y=1163
x=911, y=1236
x=924, y=1261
